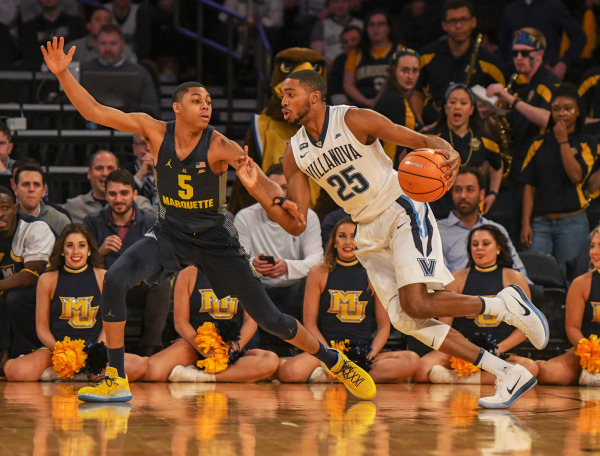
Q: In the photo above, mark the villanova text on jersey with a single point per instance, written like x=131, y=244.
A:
x=337, y=156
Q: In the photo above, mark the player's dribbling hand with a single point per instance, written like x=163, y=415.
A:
x=56, y=60
x=453, y=162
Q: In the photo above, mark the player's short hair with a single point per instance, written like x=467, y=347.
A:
x=456, y=4
x=8, y=192
x=311, y=80
x=122, y=176
x=275, y=168
x=30, y=166
x=475, y=171
x=182, y=89
x=4, y=129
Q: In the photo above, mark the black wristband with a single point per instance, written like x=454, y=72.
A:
x=514, y=103
x=279, y=200
x=492, y=192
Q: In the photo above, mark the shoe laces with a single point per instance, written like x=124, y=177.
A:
x=107, y=379
x=348, y=372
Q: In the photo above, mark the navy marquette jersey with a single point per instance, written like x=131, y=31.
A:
x=590, y=323
x=346, y=310
x=483, y=282
x=191, y=196
x=205, y=306
x=75, y=305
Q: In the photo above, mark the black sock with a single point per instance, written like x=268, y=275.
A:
x=328, y=356
x=116, y=359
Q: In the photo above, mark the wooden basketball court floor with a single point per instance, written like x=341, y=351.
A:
x=296, y=419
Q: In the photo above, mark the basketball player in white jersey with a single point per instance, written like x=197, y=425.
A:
x=397, y=239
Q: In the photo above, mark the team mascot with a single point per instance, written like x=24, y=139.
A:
x=269, y=133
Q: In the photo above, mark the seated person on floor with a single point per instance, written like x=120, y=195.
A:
x=341, y=309
x=581, y=322
x=25, y=245
x=68, y=301
x=218, y=347
x=490, y=270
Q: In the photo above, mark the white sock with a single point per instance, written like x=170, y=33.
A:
x=492, y=364
x=492, y=305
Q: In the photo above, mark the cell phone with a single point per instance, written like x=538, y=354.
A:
x=268, y=258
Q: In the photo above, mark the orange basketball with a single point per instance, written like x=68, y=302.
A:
x=419, y=176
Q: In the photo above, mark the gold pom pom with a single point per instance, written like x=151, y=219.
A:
x=69, y=357
x=588, y=351
x=463, y=368
x=209, y=339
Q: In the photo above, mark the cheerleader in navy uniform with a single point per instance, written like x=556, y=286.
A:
x=195, y=304
x=490, y=270
x=68, y=301
x=340, y=305
x=582, y=319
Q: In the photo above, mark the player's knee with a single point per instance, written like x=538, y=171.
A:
x=279, y=324
x=415, y=307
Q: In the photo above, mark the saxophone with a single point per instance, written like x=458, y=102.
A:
x=504, y=132
x=472, y=67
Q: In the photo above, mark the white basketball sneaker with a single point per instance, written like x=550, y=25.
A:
x=515, y=382
x=522, y=314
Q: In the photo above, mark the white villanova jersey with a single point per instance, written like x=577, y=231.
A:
x=360, y=178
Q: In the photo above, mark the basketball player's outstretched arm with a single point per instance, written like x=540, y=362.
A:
x=290, y=215
x=367, y=125
x=151, y=129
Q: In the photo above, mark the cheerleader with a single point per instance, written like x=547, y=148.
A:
x=195, y=305
x=68, y=305
x=341, y=309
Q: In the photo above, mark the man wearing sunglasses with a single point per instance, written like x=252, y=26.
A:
x=444, y=62
x=528, y=103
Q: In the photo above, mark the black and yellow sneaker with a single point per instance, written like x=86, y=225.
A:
x=111, y=388
x=356, y=379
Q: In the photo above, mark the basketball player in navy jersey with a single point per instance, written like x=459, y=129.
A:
x=190, y=164
x=397, y=239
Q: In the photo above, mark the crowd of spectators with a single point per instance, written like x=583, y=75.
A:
x=514, y=87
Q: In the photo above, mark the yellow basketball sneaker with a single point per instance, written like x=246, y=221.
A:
x=111, y=388
x=353, y=377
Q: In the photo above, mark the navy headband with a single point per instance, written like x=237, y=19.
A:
x=528, y=39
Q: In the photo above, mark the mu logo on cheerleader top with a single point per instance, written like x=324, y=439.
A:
x=219, y=309
x=79, y=311
x=428, y=266
x=347, y=305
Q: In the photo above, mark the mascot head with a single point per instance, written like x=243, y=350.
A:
x=287, y=62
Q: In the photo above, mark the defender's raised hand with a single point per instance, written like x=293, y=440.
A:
x=55, y=57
